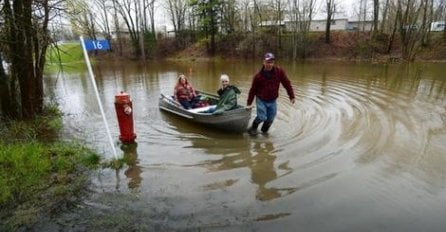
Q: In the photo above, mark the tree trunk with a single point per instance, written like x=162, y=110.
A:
x=117, y=28
x=384, y=18
x=375, y=17
x=27, y=78
x=327, y=32
x=6, y=107
x=444, y=28
x=213, y=30
x=392, y=35
x=329, y=18
x=27, y=41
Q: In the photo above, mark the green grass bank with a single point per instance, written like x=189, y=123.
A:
x=40, y=175
x=66, y=56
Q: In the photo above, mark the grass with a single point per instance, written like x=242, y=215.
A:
x=29, y=168
x=66, y=56
x=65, y=53
x=44, y=128
x=39, y=175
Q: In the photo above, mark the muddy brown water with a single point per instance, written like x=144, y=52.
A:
x=362, y=149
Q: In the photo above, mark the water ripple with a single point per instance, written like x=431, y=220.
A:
x=360, y=147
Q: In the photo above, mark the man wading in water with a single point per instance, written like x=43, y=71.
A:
x=265, y=87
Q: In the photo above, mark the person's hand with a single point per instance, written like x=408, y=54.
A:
x=249, y=107
x=292, y=100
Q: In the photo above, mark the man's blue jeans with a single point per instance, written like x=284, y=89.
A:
x=266, y=111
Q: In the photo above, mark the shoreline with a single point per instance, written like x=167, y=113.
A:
x=379, y=60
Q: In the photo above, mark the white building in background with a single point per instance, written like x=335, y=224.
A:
x=271, y=23
x=337, y=24
x=123, y=33
x=437, y=26
x=358, y=25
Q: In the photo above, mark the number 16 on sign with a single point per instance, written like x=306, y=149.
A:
x=96, y=45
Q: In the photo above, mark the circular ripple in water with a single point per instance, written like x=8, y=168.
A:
x=361, y=150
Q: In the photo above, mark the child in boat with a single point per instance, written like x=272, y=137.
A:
x=184, y=93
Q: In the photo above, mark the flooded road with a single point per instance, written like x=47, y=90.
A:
x=362, y=149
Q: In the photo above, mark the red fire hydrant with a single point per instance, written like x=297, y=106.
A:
x=124, y=112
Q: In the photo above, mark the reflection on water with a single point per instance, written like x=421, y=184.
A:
x=362, y=146
x=259, y=159
x=133, y=171
x=263, y=171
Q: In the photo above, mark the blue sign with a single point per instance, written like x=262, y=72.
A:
x=96, y=45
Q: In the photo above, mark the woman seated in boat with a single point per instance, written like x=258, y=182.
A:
x=228, y=96
x=184, y=93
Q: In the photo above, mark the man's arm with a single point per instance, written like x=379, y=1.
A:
x=252, y=92
x=287, y=85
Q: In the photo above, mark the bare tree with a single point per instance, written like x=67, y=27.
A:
x=83, y=17
x=375, y=16
x=301, y=14
x=230, y=18
x=192, y=19
x=130, y=13
x=444, y=28
x=245, y=15
x=278, y=19
x=177, y=11
x=103, y=21
x=396, y=12
x=439, y=14
x=384, y=16
x=255, y=18
x=330, y=6
x=149, y=9
x=426, y=21
x=411, y=33
x=362, y=15
x=117, y=28
x=142, y=27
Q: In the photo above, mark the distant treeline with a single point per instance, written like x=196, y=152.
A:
x=255, y=25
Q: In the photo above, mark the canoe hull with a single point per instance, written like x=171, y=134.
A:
x=235, y=120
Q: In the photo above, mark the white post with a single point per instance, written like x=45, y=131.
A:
x=90, y=71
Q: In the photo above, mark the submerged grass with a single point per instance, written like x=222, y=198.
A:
x=38, y=174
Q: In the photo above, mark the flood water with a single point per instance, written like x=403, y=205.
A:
x=362, y=149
